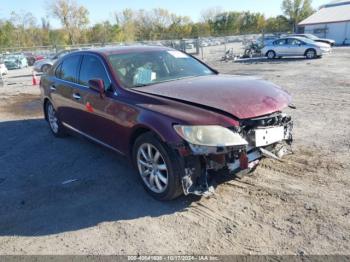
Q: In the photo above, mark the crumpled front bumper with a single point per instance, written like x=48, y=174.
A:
x=200, y=162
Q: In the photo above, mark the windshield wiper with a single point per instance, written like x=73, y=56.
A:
x=142, y=85
x=168, y=80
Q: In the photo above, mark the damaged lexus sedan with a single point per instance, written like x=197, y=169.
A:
x=177, y=119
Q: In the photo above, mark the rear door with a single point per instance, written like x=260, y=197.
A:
x=280, y=47
x=61, y=90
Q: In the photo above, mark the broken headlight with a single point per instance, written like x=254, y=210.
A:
x=216, y=136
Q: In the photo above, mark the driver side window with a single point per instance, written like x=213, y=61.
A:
x=92, y=68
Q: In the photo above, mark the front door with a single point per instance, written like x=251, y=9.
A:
x=295, y=47
x=97, y=120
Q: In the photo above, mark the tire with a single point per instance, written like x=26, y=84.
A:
x=55, y=124
x=310, y=54
x=31, y=61
x=45, y=68
x=166, y=183
x=271, y=54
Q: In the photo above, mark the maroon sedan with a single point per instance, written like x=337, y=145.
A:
x=178, y=120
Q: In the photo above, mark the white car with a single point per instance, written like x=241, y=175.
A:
x=44, y=65
x=295, y=46
x=15, y=61
x=3, y=68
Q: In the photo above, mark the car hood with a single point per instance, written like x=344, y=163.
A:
x=326, y=39
x=242, y=97
x=321, y=44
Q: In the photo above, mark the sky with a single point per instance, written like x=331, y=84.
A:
x=100, y=10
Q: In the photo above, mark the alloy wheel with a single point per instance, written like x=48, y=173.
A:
x=152, y=168
x=310, y=54
x=53, y=121
x=271, y=55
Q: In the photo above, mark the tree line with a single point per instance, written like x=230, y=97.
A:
x=22, y=29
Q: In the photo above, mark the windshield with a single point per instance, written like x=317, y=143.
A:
x=308, y=41
x=311, y=36
x=147, y=68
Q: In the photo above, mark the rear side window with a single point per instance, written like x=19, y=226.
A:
x=292, y=41
x=69, y=68
x=58, y=71
x=92, y=68
x=280, y=42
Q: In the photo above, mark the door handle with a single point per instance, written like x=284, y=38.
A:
x=76, y=96
x=52, y=88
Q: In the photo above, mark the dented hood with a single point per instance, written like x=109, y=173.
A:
x=242, y=97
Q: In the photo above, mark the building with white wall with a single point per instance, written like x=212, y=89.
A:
x=330, y=21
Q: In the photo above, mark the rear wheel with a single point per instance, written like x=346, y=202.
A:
x=158, y=166
x=55, y=124
x=271, y=54
x=310, y=54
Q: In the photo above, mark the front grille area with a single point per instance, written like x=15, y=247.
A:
x=248, y=126
x=277, y=119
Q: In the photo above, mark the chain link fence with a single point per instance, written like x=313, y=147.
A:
x=204, y=48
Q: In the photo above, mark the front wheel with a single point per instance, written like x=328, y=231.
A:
x=310, y=54
x=158, y=166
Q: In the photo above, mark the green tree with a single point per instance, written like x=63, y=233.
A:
x=103, y=33
x=72, y=17
x=7, y=34
x=296, y=11
x=277, y=24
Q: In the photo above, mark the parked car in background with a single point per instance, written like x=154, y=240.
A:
x=176, y=118
x=44, y=65
x=15, y=61
x=267, y=39
x=189, y=46
x=32, y=58
x=3, y=68
x=203, y=43
x=316, y=39
x=295, y=46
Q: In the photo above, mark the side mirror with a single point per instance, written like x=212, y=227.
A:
x=98, y=86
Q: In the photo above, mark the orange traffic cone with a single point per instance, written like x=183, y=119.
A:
x=34, y=80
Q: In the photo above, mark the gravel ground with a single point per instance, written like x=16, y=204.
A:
x=70, y=196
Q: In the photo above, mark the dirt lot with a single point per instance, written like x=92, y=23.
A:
x=300, y=206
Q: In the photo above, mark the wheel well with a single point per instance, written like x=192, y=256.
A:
x=270, y=51
x=44, y=107
x=45, y=65
x=138, y=132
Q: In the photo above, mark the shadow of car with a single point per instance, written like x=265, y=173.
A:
x=66, y=185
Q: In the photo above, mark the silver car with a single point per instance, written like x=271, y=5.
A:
x=44, y=65
x=295, y=46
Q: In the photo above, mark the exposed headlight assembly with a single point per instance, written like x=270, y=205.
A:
x=213, y=136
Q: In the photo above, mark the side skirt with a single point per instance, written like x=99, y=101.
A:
x=92, y=138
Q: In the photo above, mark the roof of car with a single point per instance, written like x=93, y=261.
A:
x=292, y=36
x=127, y=49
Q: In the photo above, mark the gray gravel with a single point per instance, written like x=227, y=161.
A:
x=70, y=196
